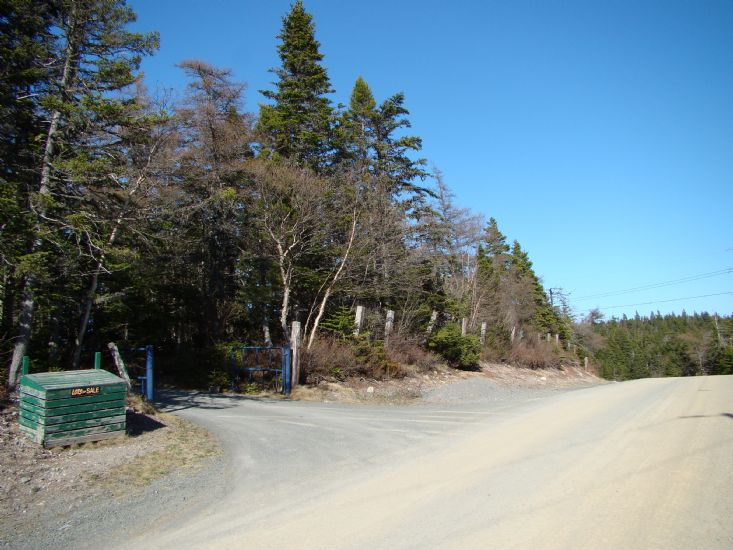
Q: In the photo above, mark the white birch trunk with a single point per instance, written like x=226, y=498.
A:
x=329, y=289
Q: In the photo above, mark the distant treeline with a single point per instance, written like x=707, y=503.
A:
x=660, y=345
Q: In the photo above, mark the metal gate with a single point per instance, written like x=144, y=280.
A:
x=265, y=366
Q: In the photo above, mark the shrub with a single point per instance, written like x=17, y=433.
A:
x=219, y=379
x=459, y=351
x=327, y=358
x=535, y=355
x=409, y=352
x=338, y=358
x=373, y=359
x=340, y=322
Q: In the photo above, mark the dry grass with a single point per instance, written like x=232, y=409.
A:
x=333, y=359
x=409, y=353
x=140, y=405
x=186, y=446
x=535, y=355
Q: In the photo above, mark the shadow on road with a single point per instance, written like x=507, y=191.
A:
x=178, y=400
x=729, y=415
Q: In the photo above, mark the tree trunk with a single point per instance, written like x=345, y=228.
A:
x=329, y=289
x=285, y=305
x=25, y=321
x=89, y=301
x=9, y=290
x=266, y=333
x=120, y=364
x=92, y=290
x=25, y=318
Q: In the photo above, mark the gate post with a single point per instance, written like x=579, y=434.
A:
x=358, y=320
x=388, y=326
x=295, y=353
x=149, y=372
x=286, y=370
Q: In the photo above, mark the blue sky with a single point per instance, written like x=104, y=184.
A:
x=599, y=134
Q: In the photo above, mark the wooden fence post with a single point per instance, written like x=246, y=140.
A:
x=557, y=339
x=358, y=320
x=585, y=363
x=431, y=324
x=119, y=363
x=514, y=331
x=388, y=326
x=464, y=326
x=483, y=333
x=295, y=336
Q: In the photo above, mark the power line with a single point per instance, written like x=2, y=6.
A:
x=664, y=301
x=657, y=285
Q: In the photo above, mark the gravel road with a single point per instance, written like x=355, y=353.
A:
x=643, y=464
x=104, y=520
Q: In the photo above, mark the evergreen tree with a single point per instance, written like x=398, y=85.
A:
x=368, y=143
x=214, y=143
x=495, y=244
x=386, y=178
x=545, y=319
x=669, y=345
x=356, y=129
x=297, y=125
x=25, y=44
x=93, y=57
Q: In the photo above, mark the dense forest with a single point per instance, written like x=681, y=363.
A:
x=660, y=345
x=194, y=224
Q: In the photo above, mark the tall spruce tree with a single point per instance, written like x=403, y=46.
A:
x=388, y=180
x=544, y=318
x=25, y=41
x=368, y=141
x=297, y=125
x=92, y=57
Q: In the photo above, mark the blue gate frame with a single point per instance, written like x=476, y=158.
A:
x=146, y=382
x=262, y=363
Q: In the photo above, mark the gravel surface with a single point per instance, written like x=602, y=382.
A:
x=86, y=513
x=111, y=520
x=504, y=383
x=73, y=497
x=641, y=464
x=482, y=390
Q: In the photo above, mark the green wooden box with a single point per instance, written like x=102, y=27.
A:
x=60, y=408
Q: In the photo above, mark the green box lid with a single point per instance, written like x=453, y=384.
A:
x=46, y=381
